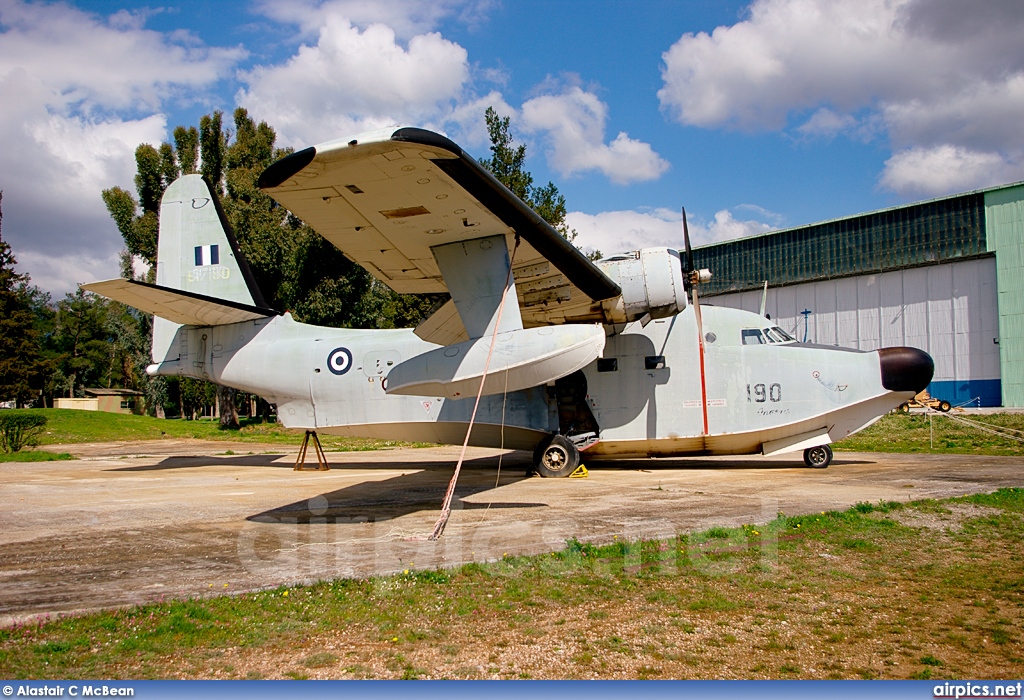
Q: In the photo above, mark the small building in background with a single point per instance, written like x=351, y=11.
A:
x=107, y=400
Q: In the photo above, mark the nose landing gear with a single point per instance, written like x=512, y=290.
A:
x=818, y=457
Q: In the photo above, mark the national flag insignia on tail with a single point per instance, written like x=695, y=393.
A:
x=207, y=255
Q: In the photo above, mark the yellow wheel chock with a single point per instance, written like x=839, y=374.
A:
x=580, y=473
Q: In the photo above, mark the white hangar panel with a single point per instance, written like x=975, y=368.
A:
x=948, y=310
x=824, y=316
x=869, y=312
x=847, y=313
x=890, y=310
x=940, y=321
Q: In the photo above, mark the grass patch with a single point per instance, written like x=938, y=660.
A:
x=67, y=426
x=898, y=432
x=34, y=456
x=850, y=594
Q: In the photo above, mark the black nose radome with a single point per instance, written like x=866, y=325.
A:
x=905, y=369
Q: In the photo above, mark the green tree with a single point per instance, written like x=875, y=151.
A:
x=294, y=267
x=21, y=362
x=86, y=357
x=507, y=163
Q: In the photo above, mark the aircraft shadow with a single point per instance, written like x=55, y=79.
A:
x=694, y=463
x=374, y=501
x=191, y=461
x=516, y=461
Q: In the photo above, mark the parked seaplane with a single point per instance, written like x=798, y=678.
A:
x=615, y=358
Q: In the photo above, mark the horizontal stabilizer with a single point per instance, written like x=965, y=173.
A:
x=521, y=359
x=186, y=308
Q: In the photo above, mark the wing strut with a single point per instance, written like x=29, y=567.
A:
x=446, y=505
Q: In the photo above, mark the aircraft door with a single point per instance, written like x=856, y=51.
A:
x=574, y=414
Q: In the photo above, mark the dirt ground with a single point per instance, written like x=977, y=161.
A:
x=136, y=522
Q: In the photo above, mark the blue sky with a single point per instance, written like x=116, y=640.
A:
x=754, y=116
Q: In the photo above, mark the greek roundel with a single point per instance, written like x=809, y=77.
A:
x=339, y=361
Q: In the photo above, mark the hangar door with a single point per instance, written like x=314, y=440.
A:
x=948, y=310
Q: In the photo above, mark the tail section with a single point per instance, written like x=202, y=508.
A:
x=197, y=251
x=201, y=277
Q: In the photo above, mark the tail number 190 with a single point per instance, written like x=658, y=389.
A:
x=758, y=393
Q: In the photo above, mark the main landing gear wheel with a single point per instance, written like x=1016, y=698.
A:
x=556, y=457
x=818, y=457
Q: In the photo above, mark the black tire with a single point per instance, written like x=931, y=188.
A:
x=944, y=406
x=904, y=408
x=818, y=457
x=557, y=458
x=538, y=451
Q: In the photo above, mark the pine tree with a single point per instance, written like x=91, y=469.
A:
x=21, y=362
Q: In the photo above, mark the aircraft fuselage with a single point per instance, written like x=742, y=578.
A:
x=645, y=397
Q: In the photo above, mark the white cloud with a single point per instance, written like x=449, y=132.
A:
x=79, y=95
x=407, y=18
x=614, y=232
x=945, y=169
x=725, y=227
x=936, y=76
x=825, y=123
x=573, y=124
x=96, y=65
x=61, y=274
x=355, y=80
x=467, y=122
x=622, y=231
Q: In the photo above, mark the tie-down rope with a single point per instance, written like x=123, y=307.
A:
x=446, y=506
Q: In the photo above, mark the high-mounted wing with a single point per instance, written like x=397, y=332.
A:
x=386, y=198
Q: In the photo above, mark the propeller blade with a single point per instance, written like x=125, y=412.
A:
x=686, y=239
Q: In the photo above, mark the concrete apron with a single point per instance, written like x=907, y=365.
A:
x=187, y=520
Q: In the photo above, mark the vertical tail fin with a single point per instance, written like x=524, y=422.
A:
x=197, y=252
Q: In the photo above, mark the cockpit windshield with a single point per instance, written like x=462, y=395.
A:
x=777, y=335
x=752, y=336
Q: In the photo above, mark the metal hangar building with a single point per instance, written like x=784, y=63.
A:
x=944, y=275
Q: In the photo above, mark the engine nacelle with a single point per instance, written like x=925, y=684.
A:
x=651, y=280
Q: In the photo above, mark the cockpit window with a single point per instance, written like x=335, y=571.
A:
x=786, y=337
x=752, y=336
x=775, y=335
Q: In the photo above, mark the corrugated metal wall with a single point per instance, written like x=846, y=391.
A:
x=949, y=310
x=914, y=234
x=1004, y=217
